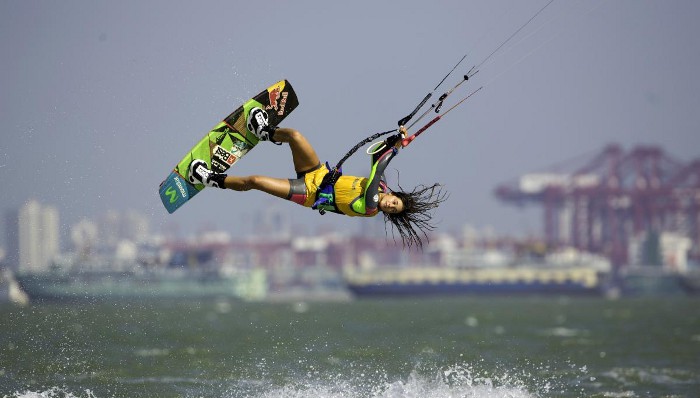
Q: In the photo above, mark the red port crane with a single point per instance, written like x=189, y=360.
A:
x=599, y=206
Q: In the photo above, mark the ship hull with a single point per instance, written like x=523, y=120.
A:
x=406, y=282
x=449, y=289
x=104, y=285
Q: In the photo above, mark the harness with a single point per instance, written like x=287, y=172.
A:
x=325, y=194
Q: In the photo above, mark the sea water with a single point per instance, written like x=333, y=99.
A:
x=456, y=347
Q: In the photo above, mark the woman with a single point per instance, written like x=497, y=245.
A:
x=349, y=195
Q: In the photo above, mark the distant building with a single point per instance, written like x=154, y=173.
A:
x=114, y=227
x=83, y=236
x=12, y=240
x=33, y=237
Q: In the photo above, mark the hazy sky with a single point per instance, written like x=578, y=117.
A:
x=100, y=99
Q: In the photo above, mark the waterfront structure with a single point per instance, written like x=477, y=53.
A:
x=34, y=237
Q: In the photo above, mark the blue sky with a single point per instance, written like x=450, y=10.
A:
x=100, y=99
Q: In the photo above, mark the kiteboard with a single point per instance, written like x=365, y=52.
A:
x=226, y=143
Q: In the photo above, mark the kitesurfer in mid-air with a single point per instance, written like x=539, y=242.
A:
x=409, y=212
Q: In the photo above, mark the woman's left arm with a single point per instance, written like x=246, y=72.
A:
x=370, y=201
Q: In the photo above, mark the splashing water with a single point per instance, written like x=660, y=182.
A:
x=456, y=381
x=461, y=380
x=54, y=392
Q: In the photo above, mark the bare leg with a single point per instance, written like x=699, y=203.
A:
x=274, y=186
x=304, y=158
x=303, y=154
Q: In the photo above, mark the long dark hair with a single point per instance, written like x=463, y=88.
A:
x=414, y=222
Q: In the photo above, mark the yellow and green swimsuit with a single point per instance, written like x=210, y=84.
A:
x=353, y=196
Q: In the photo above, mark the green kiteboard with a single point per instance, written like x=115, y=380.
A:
x=226, y=143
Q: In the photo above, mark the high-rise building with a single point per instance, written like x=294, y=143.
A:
x=51, y=234
x=12, y=240
x=38, y=237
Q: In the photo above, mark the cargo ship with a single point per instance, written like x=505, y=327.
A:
x=650, y=280
x=510, y=280
x=690, y=281
x=142, y=283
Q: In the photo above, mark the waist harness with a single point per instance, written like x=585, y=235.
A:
x=325, y=194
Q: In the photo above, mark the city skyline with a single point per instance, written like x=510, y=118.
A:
x=109, y=228
x=122, y=238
